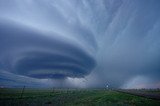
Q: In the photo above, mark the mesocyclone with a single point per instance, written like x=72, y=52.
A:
x=30, y=53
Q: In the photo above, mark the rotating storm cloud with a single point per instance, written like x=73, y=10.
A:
x=80, y=43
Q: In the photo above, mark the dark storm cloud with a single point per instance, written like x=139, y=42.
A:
x=25, y=51
x=55, y=64
x=12, y=80
x=86, y=43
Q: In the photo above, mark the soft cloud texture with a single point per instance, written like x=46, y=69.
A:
x=81, y=43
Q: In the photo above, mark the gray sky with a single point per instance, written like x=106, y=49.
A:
x=80, y=43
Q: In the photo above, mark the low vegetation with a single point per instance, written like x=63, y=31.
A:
x=74, y=97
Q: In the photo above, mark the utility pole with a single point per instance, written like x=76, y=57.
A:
x=22, y=92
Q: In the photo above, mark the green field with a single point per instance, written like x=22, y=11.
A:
x=74, y=97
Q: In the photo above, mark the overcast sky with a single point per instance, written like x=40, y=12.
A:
x=80, y=43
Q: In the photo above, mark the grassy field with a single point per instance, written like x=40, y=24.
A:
x=62, y=97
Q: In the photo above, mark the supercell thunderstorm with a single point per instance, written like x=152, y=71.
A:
x=101, y=41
